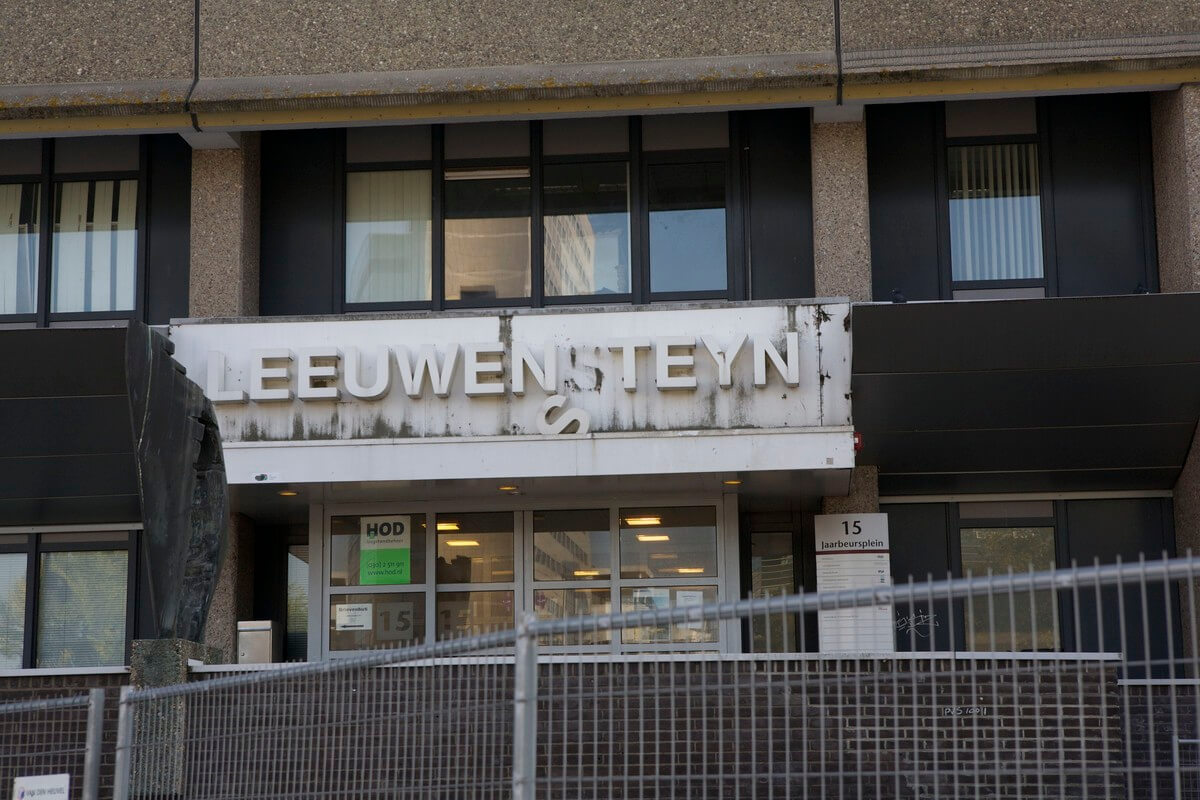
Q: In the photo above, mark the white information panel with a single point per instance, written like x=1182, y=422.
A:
x=42, y=787
x=852, y=553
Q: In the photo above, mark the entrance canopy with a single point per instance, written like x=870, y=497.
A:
x=1067, y=394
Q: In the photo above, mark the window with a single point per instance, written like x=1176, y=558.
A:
x=772, y=574
x=485, y=568
x=65, y=599
x=296, y=611
x=376, y=562
x=995, y=209
x=1025, y=621
x=476, y=561
x=87, y=263
x=561, y=211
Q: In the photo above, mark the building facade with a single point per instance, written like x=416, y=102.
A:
x=566, y=311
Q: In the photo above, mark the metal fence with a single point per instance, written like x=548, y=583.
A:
x=52, y=737
x=1073, y=683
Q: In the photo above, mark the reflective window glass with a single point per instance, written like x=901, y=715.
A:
x=475, y=548
x=373, y=621
x=296, y=622
x=81, y=609
x=772, y=574
x=664, y=598
x=586, y=217
x=687, y=227
x=469, y=613
x=563, y=603
x=487, y=233
x=12, y=609
x=668, y=542
x=1027, y=620
x=571, y=545
x=361, y=556
x=389, y=236
x=94, y=247
x=20, y=209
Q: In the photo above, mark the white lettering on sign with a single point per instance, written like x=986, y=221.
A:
x=42, y=787
x=757, y=366
x=318, y=369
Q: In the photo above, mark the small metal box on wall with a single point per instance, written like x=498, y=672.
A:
x=258, y=642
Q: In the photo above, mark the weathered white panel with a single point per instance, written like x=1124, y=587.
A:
x=588, y=374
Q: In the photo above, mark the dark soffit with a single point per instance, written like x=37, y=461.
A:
x=1063, y=394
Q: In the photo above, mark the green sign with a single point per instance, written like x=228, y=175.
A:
x=384, y=550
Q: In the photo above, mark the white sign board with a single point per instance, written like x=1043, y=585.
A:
x=352, y=617
x=42, y=787
x=852, y=552
x=535, y=374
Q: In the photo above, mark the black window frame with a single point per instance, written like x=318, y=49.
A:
x=49, y=180
x=1049, y=280
x=638, y=162
x=35, y=547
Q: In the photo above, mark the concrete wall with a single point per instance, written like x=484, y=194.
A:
x=223, y=277
x=1175, y=120
x=841, y=213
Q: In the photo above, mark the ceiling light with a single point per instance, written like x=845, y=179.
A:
x=461, y=543
x=641, y=522
x=664, y=556
x=653, y=537
x=288, y=493
x=689, y=570
x=587, y=573
x=447, y=526
x=733, y=482
x=507, y=488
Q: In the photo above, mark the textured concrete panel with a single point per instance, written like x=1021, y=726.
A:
x=886, y=25
x=863, y=497
x=1175, y=120
x=233, y=599
x=841, y=222
x=95, y=41
x=223, y=279
x=313, y=37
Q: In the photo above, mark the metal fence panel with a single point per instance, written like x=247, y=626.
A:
x=56, y=736
x=1078, y=683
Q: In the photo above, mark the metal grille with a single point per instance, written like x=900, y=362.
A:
x=53, y=737
x=1104, y=707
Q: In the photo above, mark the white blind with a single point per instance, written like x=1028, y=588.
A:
x=81, y=609
x=95, y=246
x=995, y=213
x=389, y=236
x=18, y=248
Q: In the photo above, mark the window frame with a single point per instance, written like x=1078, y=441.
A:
x=48, y=180
x=726, y=580
x=956, y=523
x=35, y=546
x=942, y=144
x=638, y=162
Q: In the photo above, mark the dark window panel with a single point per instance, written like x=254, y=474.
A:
x=687, y=227
x=168, y=219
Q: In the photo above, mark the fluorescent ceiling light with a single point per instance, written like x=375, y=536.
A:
x=587, y=573
x=461, y=543
x=689, y=570
x=642, y=522
x=653, y=537
x=447, y=526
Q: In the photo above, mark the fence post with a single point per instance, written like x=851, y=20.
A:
x=524, y=772
x=124, y=743
x=91, y=752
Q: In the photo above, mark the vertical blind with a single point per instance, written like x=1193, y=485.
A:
x=95, y=246
x=18, y=247
x=389, y=236
x=995, y=213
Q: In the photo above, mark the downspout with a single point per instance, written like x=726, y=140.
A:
x=187, y=100
x=837, y=46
